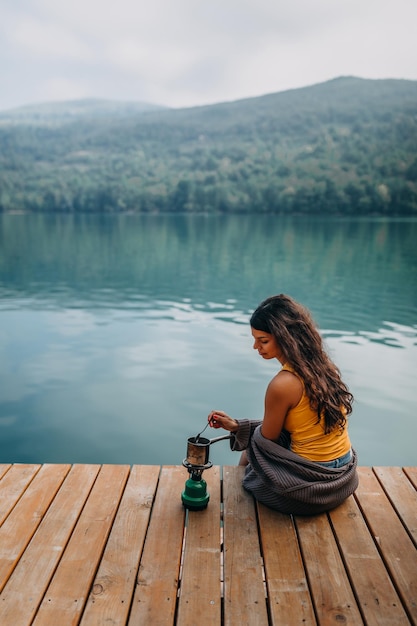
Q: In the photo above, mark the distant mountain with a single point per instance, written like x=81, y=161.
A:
x=68, y=111
x=346, y=146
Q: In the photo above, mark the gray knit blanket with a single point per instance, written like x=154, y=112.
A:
x=287, y=482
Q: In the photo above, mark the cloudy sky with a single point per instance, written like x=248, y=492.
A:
x=183, y=53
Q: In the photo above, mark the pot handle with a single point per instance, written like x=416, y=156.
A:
x=220, y=438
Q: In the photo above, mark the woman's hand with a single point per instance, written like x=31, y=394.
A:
x=220, y=419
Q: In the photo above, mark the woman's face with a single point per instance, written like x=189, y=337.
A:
x=266, y=345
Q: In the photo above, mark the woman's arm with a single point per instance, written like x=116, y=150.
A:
x=283, y=393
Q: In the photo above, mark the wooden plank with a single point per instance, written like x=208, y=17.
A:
x=66, y=595
x=19, y=527
x=25, y=588
x=411, y=473
x=402, y=495
x=69, y=534
x=244, y=591
x=288, y=594
x=394, y=544
x=200, y=597
x=113, y=587
x=333, y=597
x=375, y=593
x=12, y=485
x=155, y=597
x=4, y=467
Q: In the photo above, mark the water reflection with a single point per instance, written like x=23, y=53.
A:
x=114, y=330
x=352, y=273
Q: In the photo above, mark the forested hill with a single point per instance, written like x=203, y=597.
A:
x=346, y=146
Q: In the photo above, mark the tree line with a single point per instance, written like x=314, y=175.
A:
x=347, y=146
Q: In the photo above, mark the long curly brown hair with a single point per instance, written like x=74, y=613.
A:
x=302, y=346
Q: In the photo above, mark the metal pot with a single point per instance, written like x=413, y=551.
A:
x=198, y=451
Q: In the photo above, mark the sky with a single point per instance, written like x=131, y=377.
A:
x=183, y=53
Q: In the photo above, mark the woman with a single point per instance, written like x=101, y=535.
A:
x=299, y=457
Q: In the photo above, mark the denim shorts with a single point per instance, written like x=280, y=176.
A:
x=340, y=462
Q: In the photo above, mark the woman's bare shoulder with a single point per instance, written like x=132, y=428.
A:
x=286, y=384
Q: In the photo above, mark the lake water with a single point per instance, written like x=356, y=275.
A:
x=119, y=334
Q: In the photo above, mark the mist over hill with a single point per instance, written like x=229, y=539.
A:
x=58, y=113
x=346, y=146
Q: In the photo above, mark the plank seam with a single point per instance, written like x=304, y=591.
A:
x=306, y=574
x=181, y=568
x=53, y=573
x=25, y=489
x=264, y=578
x=98, y=563
x=383, y=559
x=393, y=505
x=143, y=548
x=221, y=539
x=345, y=566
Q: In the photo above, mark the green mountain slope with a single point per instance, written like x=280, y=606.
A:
x=345, y=146
x=57, y=113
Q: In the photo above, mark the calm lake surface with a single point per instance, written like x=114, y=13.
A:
x=119, y=334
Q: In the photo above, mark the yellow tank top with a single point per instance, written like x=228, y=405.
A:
x=308, y=438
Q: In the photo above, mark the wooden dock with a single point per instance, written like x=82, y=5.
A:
x=113, y=545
